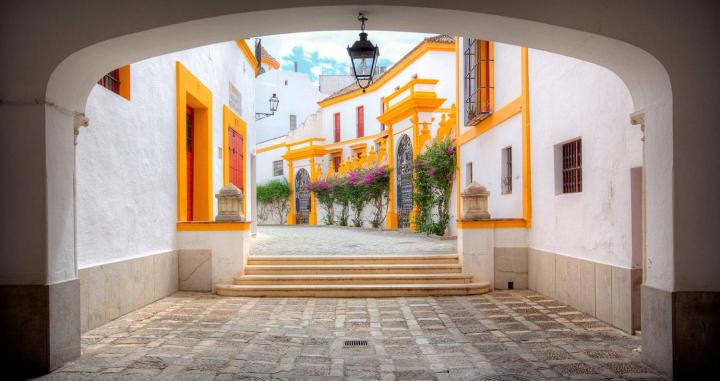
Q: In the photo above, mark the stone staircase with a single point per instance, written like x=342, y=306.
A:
x=353, y=276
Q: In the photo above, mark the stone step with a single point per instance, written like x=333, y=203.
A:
x=355, y=259
x=353, y=290
x=354, y=279
x=352, y=269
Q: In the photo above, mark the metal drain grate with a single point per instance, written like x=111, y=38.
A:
x=355, y=343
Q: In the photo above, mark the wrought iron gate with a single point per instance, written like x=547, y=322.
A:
x=404, y=181
x=302, y=196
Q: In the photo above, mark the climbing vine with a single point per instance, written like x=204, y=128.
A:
x=434, y=173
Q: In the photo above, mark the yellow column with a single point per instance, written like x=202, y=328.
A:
x=291, y=214
x=391, y=217
x=313, y=202
x=527, y=192
x=417, y=141
x=456, y=108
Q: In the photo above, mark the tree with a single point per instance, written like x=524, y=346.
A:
x=275, y=195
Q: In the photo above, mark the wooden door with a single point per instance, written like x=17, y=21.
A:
x=189, y=145
x=337, y=127
x=236, y=158
x=360, y=121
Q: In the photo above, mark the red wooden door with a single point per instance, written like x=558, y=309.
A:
x=189, y=132
x=360, y=121
x=337, y=126
x=336, y=162
x=236, y=159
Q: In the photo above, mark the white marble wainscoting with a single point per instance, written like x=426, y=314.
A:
x=111, y=290
x=511, y=265
x=610, y=293
x=195, y=270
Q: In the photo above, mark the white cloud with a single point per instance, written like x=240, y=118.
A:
x=333, y=44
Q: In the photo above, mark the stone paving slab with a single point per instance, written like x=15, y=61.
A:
x=337, y=240
x=496, y=336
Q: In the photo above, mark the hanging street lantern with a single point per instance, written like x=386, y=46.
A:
x=273, y=107
x=363, y=56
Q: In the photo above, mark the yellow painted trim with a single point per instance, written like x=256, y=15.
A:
x=249, y=55
x=308, y=140
x=458, y=146
x=391, y=222
x=270, y=62
x=493, y=120
x=213, y=226
x=191, y=92
x=493, y=223
x=124, y=78
x=527, y=190
x=334, y=151
x=270, y=148
x=234, y=121
x=291, y=183
x=413, y=56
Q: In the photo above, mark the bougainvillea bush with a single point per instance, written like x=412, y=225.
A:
x=356, y=190
x=324, y=190
x=378, y=182
x=434, y=173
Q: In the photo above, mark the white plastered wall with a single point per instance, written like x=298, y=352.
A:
x=131, y=210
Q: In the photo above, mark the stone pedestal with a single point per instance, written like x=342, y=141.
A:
x=475, y=202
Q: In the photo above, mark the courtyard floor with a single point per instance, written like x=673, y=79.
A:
x=337, y=240
x=510, y=335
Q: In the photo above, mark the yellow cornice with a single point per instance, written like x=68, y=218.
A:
x=249, y=55
x=213, y=226
x=308, y=140
x=270, y=148
x=305, y=152
x=401, y=65
x=421, y=101
x=358, y=146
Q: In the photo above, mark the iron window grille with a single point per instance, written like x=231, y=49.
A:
x=478, y=81
x=572, y=166
x=507, y=178
x=111, y=81
x=277, y=168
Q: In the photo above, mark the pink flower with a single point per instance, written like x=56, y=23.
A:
x=431, y=173
x=451, y=150
x=369, y=178
x=353, y=178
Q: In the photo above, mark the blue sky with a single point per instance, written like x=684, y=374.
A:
x=326, y=52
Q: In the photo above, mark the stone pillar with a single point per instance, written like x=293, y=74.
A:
x=291, y=181
x=39, y=288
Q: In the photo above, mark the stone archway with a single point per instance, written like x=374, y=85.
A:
x=43, y=88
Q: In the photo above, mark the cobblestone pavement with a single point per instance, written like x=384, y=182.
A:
x=336, y=240
x=516, y=335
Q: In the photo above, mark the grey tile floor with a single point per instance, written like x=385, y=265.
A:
x=509, y=335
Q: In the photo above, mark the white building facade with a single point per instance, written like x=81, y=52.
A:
x=181, y=124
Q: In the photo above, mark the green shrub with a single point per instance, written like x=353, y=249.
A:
x=275, y=196
x=434, y=173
